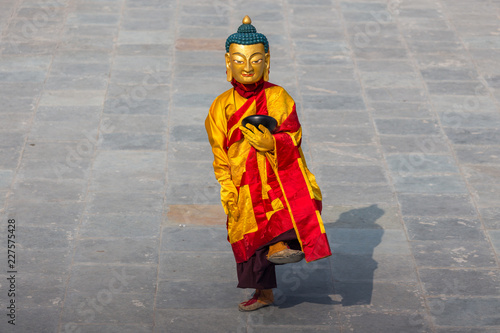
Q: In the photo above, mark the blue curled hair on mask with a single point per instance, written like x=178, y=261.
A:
x=247, y=35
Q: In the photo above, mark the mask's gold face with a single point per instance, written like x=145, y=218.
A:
x=247, y=63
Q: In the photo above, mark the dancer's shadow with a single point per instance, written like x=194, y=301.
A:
x=348, y=272
x=353, y=238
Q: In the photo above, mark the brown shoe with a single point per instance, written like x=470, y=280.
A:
x=280, y=253
x=286, y=256
x=277, y=247
x=261, y=298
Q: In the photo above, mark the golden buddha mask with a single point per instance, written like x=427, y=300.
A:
x=247, y=64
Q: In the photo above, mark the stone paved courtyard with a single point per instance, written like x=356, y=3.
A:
x=106, y=169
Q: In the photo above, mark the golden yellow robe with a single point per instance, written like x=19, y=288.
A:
x=275, y=191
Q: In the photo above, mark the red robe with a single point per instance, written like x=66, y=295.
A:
x=276, y=192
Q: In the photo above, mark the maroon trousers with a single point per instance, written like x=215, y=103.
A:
x=259, y=273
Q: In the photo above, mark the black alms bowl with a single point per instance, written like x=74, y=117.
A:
x=259, y=119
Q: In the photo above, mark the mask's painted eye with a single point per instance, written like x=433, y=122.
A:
x=238, y=61
x=257, y=61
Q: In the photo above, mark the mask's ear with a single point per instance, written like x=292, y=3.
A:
x=229, y=72
x=268, y=67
